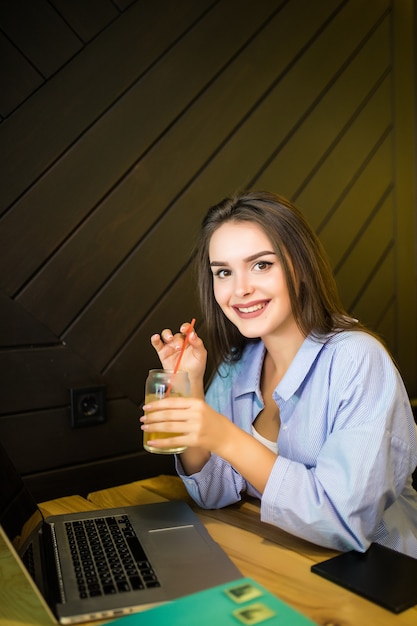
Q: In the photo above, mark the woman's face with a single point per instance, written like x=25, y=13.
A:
x=249, y=282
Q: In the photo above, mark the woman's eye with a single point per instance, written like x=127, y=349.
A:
x=262, y=265
x=222, y=273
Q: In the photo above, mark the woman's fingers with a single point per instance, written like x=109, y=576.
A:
x=167, y=335
x=157, y=342
x=168, y=346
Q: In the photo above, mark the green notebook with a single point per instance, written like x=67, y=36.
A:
x=243, y=601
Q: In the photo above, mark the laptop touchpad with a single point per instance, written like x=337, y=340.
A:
x=182, y=539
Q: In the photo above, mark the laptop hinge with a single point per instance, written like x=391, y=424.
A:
x=52, y=566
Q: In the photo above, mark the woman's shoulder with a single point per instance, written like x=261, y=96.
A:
x=357, y=344
x=354, y=337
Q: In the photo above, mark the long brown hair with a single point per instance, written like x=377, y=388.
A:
x=311, y=286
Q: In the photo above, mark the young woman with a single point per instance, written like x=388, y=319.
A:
x=306, y=409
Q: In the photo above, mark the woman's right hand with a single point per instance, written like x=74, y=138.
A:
x=168, y=347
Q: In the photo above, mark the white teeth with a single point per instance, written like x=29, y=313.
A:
x=251, y=309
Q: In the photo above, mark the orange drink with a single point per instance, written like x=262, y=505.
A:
x=158, y=383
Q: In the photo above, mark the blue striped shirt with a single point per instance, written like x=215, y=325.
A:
x=347, y=445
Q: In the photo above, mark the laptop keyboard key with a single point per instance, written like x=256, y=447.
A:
x=123, y=585
x=136, y=582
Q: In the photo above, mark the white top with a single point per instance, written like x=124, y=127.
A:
x=272, y=445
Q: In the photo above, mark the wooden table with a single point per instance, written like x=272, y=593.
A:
x=274, y=558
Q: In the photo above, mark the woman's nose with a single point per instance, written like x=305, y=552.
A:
x=243, y=287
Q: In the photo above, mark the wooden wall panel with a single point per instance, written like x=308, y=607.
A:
x=87, y=477
x=60, y=446
x=111, y=152
x=34, y=377
x=404, y=55
x=386, y=323
x=14, y=64
x=357, y=203
x=179, y=303
x=375, y=298
x=314, y=141
x=340, y=165
x=87, y=19
x=19, y=328
x=40, y=33
x=366, y=251
x=57, y=115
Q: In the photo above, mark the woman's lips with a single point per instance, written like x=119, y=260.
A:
x=250, y=310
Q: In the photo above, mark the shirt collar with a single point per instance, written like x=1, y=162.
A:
x=252, y=361
x=300, y=366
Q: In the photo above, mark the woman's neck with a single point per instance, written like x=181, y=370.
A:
x=282, y=350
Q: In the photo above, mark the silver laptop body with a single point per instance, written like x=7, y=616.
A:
x=142, y=555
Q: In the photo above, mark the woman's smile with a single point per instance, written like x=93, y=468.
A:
x=251, y=309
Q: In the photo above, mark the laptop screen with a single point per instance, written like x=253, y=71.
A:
x=19, y=513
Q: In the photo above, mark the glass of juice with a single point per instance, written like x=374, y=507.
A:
x=158, y=383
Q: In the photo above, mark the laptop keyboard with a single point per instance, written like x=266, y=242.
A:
x=108, y=557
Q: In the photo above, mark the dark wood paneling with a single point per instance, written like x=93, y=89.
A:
x=43, y=440
x=88, y=477
x=13, y=65
x=57, y=115
x=123, y=4
x=386, y=326
x=37, y=377
x=86, y=18
x=359, y=102
x=357, y=203
x=365, y=252
x=19, y=328
x=39, y=32
x=375, y=298
x=337, y=170
x=130, y=364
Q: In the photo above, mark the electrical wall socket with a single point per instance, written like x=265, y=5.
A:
x=87, y=406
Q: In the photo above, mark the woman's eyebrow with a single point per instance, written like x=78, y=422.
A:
x=252, y=257
x=258, y=254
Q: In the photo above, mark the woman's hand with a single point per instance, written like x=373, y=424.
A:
x=199, y=425
x=168, y=346
x=204, y=431
x=191, y=417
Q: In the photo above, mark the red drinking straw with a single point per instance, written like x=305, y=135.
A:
x=177, y=364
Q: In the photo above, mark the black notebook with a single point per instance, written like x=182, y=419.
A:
x=382, y=575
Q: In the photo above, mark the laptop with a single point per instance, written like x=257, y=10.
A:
x=107, y=563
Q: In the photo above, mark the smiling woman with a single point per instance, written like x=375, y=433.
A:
x=306, y=410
